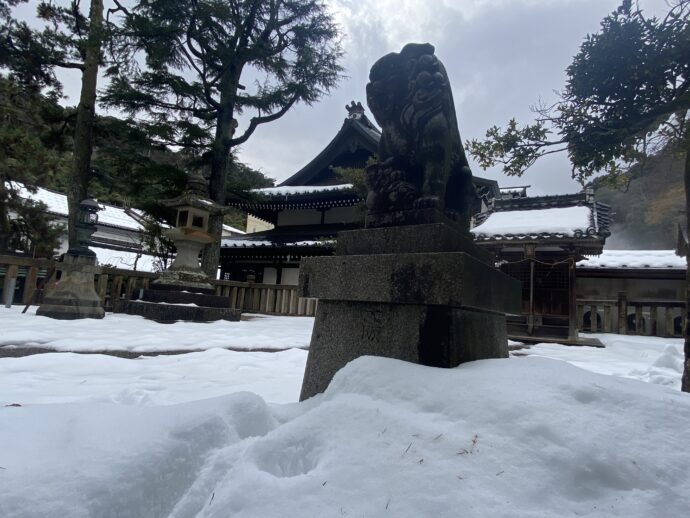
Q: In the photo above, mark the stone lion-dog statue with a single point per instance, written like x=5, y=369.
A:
x=421, y=161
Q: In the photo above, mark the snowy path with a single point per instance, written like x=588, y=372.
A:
x=151, y=380
x=119, y=332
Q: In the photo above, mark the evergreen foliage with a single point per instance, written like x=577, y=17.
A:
x=626, y=98
x=192, y=68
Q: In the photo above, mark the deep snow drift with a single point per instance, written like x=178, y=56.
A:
x=517, y=437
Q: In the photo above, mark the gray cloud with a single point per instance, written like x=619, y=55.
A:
x=502, y=57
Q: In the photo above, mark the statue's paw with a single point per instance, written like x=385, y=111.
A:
x=427, y=202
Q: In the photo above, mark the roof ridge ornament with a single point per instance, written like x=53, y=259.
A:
x=355, y=110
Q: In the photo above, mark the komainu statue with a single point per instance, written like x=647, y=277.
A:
x=422, y=164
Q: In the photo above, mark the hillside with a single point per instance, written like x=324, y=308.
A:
x=646, y=215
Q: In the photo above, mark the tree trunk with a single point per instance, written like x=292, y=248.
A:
x=86, y=110
x=4, y=217
x=685, y=384
x=225, y=128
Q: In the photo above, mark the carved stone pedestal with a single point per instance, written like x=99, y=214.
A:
x=420, y=293
x=74, y=296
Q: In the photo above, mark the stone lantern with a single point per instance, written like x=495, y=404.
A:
x=184, y=291
x=87, y=221
x=74, y=295
x=190, y=235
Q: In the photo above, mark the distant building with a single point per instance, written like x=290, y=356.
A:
x=118, y=238
x=538, y=240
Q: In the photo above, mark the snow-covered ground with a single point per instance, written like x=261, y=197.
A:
x=645, y=358
x=150, y=380
x=120, y=332
x=99, y=436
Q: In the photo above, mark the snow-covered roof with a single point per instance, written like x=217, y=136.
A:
x=561, y=222
x=635, y=259
x=260, y=243
x=124, y=260
x=228, y=228
x=287, y=190
x=57, y=204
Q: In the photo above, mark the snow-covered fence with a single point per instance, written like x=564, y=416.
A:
x=27, y=275
x=656, y=317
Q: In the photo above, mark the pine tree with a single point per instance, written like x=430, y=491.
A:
x=200, y=58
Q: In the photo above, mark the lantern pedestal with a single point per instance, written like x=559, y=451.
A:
x=185, y=273
x=74, y=295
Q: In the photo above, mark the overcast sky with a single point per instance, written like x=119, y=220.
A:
x=502, y=56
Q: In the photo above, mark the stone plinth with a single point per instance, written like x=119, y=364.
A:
x=74, y=295
x=169, y=305
x=420, y=293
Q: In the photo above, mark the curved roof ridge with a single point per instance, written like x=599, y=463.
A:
x=361, y=126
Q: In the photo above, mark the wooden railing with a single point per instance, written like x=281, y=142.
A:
x=113, y=283
x=651, y=317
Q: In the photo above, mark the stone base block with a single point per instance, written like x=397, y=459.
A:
x=184, y=279
x=431, y=238
x=453, y=279
x=69, y=308
x=168, y=313
x=74, y=296
x=438, y=336
x=185, y=297
x=407, y=217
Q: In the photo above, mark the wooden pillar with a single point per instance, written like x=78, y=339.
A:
x=593, y=317
x=116, y=290
x=301, y=304
x=30, y=284
x=622, y=313
x=131, y=285
x=530, y=315
x=271, y=301
x=668, y=328
x=653, y=330
x=102, y=286
x=10, y=284
x=572, y=301
x=607, y=319
x=293, y=302
x=233, y=298
x=639, y=328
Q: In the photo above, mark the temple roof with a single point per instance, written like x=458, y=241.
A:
x=287, y=237
x=356, y=133
x=292, y=190
x=569, y=218
x=635, y=259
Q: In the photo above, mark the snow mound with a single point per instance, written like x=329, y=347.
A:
x=518, y=437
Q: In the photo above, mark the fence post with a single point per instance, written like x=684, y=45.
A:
x=593, y=318
x=30, y=284
x=622, y=313
x=10, y=284
x=653, y=329
x=102, y=286
x=669, y=321
x=639, y=328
